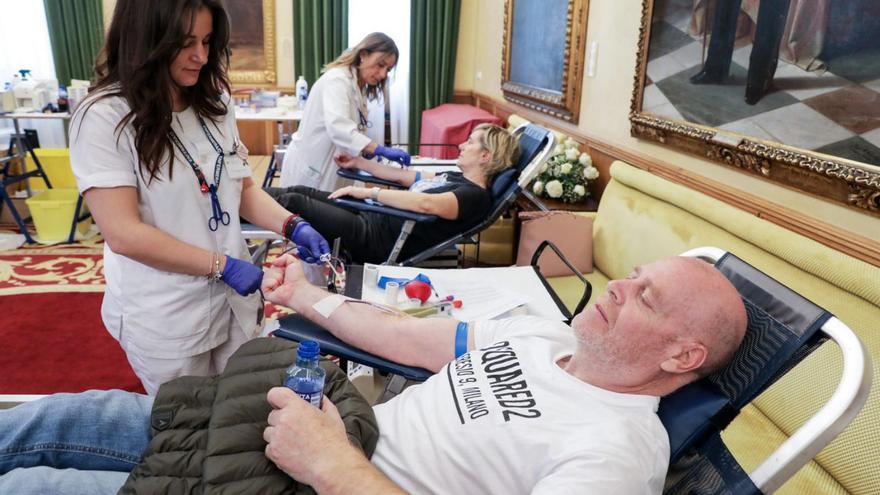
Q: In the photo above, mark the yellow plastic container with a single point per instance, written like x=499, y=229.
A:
x=56, y=164
x=52, y=211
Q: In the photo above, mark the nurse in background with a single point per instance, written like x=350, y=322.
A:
x=156, y=155
x=335, y=118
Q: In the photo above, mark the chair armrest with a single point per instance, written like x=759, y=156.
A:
x=361, y=205
x=295, y=327
x=357, y=174
x=588, y=288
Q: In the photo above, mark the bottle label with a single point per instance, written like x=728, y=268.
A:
x=313, y=398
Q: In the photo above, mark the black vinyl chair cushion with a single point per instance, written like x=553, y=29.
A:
x=502, y=182
x=360, y=175
x=385, y=210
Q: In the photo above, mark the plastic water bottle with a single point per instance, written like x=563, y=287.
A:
x=302, y=92
x=305, y=377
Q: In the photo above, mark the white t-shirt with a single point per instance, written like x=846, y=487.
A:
x=507, y=419
x=164, y=314
x=329, y=126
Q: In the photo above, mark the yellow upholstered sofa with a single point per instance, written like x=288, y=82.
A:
x=642, y=218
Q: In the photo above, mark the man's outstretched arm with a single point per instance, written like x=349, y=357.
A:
x=311, y=446
x=427, y=343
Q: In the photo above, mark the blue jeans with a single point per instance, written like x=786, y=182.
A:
x=73, y=443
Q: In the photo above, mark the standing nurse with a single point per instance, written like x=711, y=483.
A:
x=335, y=118
x=157, y=158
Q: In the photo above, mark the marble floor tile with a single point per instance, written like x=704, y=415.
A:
x=666, y=111
x=653, y=98
x=656, y=103
x=665, y=39
x=800, y=126
x=875, y=85
x=663, y=67
x=854, y=148
x=855, y=107
x=717, y=104
x=749, y=128
x=872, y=137
x=802, y=84
x=859, y=67
x=690, y=54
x=741, y=55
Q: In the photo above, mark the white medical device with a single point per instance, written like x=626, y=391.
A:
x=31, y=95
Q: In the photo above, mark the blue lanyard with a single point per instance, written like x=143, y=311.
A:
x=218, y=216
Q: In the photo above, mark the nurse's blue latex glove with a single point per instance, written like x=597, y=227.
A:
x=243, y=276
x=394, y=154
x=310, y=245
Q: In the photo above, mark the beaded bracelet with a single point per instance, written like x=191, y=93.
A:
x=215, y=273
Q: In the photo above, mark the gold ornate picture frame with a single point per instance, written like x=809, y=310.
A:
x=252, y=41
x=851, y=183
x=543, y=55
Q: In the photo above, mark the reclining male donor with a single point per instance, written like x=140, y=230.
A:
x=528, y=406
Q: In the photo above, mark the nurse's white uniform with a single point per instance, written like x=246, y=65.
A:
x=329, y=126
x=155, y=313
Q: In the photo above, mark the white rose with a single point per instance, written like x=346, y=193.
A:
x=570, y=143
x=560, y=137
x=544, y=168
x=590, y=173
x=579, y=190
x=565, y=168
x=538, y=187
x=585, y=159
x=554, y=188
x=571, y=154
x=559, y=149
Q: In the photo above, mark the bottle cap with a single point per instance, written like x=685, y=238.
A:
x=308, y=349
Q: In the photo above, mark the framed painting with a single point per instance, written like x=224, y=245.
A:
x=543, y=58
x=252, y=41
x=785, y=90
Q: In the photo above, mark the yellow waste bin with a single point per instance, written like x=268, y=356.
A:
x=56, y=164
x=52, y=211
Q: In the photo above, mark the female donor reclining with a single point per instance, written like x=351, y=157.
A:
x=459, y=199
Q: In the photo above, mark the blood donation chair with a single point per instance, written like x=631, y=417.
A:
x=536, y=145
x=783, y=329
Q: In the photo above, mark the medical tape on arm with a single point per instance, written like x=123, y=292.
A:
x=325, y=307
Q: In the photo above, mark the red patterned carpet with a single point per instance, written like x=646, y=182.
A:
x=51, y=331
x=51, y=335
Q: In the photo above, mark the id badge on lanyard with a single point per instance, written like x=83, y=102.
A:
x=218, y=215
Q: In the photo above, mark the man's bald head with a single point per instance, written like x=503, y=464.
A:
x=720, y=323
x=667, y=324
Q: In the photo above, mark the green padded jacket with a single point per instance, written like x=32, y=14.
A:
x=207, y=432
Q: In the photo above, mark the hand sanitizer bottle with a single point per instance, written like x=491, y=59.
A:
x=302, y=92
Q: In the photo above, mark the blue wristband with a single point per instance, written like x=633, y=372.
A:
x=418, y=177
x=461, y=339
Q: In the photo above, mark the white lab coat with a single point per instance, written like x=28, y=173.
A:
x=329, y=126
x=163, y=314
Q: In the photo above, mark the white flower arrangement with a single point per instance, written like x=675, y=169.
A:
x=566, y=175
x=538, y=187
x=554, y=189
